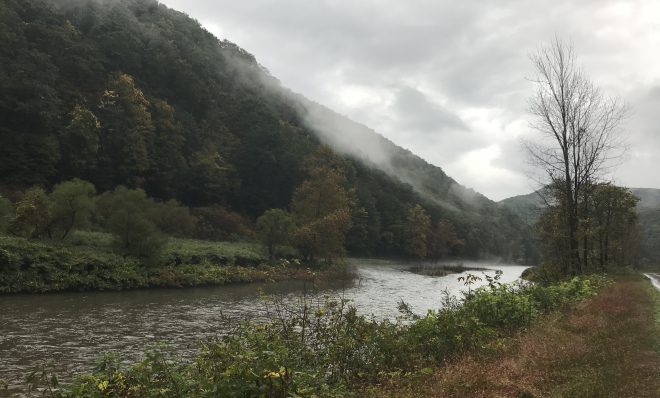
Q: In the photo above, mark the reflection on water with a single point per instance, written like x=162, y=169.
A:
x=72, y=329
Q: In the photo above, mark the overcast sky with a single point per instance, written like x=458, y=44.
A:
x=446, y=79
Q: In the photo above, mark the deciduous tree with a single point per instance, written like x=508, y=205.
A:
x=132, y=218
x=321, y=209
x=72, y=205
x=274, y=227
x=416, y=232
x=33, y=215
x=578, y=128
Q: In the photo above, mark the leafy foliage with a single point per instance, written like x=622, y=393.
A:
x=32, y=214
x=417, y=232
x=321, y=209
x=132, y=218
x=72, y=206
x=274, y=227
x=324, y=348
x=607, y=234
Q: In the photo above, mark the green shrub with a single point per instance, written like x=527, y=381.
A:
x=133, y=218
x=324, y=348
x=72, y=205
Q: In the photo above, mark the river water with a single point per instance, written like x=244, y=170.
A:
x=73, y=329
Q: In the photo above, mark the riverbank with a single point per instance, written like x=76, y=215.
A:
x=328, y=349
x=607, y=346
x=87, y=263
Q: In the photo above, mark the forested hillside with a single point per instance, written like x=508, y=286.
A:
x=129, y=92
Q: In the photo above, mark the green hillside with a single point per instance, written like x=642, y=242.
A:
x=130, y=92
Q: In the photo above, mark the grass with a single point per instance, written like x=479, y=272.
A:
x=87, y=261
x=185, y=251
x=608, y=346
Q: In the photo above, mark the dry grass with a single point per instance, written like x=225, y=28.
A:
x=606, y=347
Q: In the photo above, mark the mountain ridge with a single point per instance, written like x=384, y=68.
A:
x=131, y=92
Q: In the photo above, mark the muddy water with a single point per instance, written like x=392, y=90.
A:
x=73, y=329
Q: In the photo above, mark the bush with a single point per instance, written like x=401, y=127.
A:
x=273, y=228
x=219, y=223
x=72, y=205
x=133, y=218
x=322, y=348
x=176, y=220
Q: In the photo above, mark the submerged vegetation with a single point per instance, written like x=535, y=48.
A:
x=442, y=269
x=326, y=348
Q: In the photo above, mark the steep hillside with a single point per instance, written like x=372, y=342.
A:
x=527, y=207
x=131, y=92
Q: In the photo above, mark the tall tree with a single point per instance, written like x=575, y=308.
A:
x=442, y=240
x=72, y=205
x=127, y=133
x=321, y=209
x=614, y=223
x=578, y=126
x=79, y=143
x=168, y=163
x=416, y=232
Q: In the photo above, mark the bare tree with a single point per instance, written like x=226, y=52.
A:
x=579, y=129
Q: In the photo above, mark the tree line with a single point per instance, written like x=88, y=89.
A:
x=318, y=224
x=323, y=208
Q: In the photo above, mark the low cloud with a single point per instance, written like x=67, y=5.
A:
x=446, y=79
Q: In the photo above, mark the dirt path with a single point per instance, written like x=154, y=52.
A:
x=609, y=346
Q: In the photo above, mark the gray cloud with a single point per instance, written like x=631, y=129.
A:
x=417, y=112
x=446, y=79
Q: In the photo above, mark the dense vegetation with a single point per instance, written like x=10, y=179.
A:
x=327, y=349
x=129, y=92
x=645, y=234
x=601, y=348
x=88, y=261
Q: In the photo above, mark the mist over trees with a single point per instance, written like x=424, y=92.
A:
x=129, y=92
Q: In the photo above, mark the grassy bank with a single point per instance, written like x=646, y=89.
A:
x=608, y=346
x=327, y=349
x=86, y=261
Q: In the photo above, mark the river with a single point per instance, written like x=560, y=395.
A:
x=73, y=329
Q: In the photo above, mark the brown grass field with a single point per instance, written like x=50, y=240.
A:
x=607, y=346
